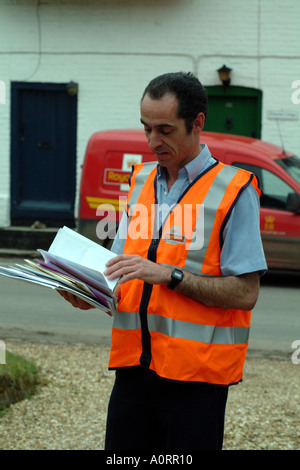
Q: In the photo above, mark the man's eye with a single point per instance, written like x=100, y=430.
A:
x=166, y=132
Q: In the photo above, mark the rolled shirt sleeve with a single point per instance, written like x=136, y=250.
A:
x=242, y=250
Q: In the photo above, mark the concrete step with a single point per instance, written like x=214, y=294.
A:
x=25, y=239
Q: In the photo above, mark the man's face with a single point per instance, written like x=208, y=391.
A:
x=166, y=133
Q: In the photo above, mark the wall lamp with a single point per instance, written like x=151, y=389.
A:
x=224, y=75
x=72, y=88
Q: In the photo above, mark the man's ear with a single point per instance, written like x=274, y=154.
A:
x=199, y=123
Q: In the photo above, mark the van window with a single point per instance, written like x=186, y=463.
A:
x=275, y=191
x=291, y=165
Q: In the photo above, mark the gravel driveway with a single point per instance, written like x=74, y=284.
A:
x=69, y=412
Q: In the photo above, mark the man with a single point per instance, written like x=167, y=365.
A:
x=180, y=335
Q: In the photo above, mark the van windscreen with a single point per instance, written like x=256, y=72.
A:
x=291, y=165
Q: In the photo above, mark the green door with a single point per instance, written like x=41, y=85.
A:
x=234, y=110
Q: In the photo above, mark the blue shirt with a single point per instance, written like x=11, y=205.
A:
x=242, y=250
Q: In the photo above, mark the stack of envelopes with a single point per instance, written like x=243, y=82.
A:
x=73, y=263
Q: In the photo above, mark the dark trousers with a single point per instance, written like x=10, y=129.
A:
x=151, y=414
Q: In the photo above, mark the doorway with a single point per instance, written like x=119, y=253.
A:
x=234, y=110
x=43, y=153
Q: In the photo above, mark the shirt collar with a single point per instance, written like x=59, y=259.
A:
x=194, y=167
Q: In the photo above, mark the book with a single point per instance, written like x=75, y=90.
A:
x=73, y=263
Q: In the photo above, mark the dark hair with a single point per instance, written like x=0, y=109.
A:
x=188, y=90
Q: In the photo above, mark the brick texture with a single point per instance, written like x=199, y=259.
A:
x=112, y=48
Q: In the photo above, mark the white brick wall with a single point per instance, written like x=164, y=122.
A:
x=112, y=48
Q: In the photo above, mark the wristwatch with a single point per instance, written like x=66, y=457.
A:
x=177, y=276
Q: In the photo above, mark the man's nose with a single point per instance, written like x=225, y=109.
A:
x=155, y=140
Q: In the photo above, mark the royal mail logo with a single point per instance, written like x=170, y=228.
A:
x=112, y=176
x=174, y=236
x=269, y=222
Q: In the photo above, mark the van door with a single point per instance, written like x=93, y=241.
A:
x=280, y=228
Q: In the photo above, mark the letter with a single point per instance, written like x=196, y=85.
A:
x=138, y=226
x=295, y=358
x=161, y=212
x=2, y=353
x=2, y=92
x=174, y=223
x=124, y=178
x=179, y=219
x=295, y=99
x=108, y=221
x=110, y=176
x=197, y=240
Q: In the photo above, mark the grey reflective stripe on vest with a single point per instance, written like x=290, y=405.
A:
x=184, y=330
x=212, y=200
x=139, y=183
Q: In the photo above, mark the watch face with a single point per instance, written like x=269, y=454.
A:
x=177, y=276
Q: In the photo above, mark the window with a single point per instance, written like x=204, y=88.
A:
x=291, y=165
x=274, y=190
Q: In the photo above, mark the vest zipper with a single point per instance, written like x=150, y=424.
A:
x=145, y=357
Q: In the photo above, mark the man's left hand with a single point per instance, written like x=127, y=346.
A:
x=128, y=267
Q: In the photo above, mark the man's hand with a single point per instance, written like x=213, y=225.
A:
x=129, y=267
x=238, y=292
x=77, y=302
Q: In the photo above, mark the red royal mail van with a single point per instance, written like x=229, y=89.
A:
x=110, y=155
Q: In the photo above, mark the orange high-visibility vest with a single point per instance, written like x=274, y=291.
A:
x=176, y=337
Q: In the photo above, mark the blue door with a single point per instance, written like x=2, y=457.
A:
x=43, y=153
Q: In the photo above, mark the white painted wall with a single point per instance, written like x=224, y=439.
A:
x=112, y=48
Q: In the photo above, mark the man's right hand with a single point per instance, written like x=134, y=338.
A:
x=77, y=302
